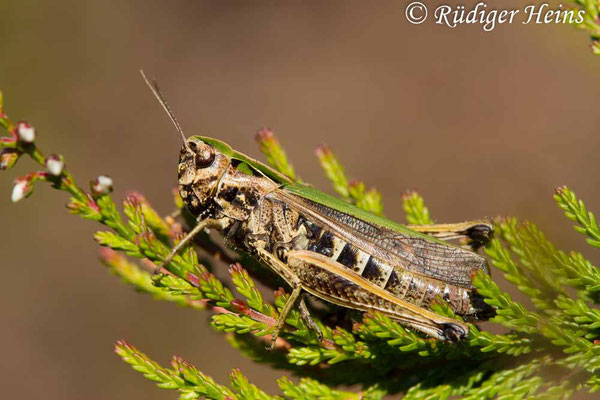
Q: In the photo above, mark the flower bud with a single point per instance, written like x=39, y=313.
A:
x=265, y=135
x=21, y=190
x=102, y=185
x=8, y=158
x=54, y=165
x=323, y=151
x=25, y=132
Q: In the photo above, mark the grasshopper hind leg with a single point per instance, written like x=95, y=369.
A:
x=478, y=233
x=308, y=318
x=333, y=282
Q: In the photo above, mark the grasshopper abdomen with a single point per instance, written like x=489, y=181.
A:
x=416, y=288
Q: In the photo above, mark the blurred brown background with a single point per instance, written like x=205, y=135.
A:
x=480, y=123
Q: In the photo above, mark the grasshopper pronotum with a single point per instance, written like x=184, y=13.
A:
x=328, y=247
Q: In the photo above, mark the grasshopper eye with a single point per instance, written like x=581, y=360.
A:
x=204, y=154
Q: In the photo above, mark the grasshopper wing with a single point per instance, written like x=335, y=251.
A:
x=396, y=244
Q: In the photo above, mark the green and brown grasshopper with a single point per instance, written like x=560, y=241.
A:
x=328, y=247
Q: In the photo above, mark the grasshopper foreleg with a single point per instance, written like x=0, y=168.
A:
x=478, y=233
x=200, y=226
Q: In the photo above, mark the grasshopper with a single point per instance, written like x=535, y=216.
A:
x=327, y=247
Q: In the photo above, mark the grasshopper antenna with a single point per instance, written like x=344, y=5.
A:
x=161, y=99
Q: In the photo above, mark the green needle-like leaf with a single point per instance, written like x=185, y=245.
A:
x=414, y=207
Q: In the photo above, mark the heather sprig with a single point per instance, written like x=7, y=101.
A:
x=558, y=332
x=354, y=191
x=591, y=21
x=414, y=208
x=276, y=156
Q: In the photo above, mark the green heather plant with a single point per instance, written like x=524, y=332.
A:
x=548, y=349
x=591, y=21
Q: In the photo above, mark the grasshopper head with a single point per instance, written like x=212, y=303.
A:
x=200, y=169
x=201, y=166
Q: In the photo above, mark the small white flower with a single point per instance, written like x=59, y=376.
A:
x=105, y=181
x=20, y=190
x=102, y=185
x=54, y=165
x=25, y=132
